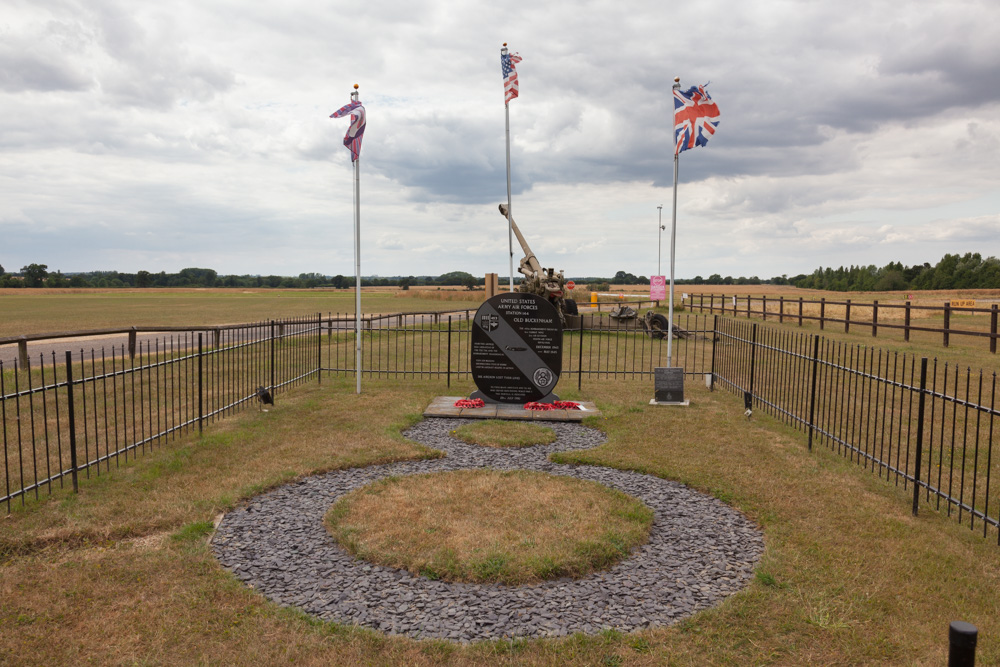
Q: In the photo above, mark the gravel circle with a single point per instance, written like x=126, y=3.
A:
x=700, y=551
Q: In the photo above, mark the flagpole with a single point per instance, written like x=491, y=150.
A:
x=357, y=260
x=510, y=233
x=673, y=242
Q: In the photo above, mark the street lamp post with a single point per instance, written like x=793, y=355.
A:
x=659, y=237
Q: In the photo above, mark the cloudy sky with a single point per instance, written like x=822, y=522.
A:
x=163, y=135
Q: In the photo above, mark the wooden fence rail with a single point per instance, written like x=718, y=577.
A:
x=867, y=314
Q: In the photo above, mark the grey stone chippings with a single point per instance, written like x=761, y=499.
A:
x=700, y=551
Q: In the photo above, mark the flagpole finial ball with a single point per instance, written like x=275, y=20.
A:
x=355, y=86
x=505, y=43
x=677, y=79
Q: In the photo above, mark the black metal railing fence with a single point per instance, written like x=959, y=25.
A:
x=914, y=421
x=81, y=411
x=920, y=423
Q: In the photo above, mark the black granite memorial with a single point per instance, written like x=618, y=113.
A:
x=668, y=384
x=516, y=349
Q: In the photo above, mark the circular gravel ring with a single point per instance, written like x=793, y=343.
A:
x=700, y=551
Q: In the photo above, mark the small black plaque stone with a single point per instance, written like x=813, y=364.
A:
x=669, y=384
x=516, y=349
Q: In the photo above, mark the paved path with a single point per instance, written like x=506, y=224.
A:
x=700, y=551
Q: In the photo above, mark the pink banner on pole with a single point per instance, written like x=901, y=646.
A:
x=657, y=288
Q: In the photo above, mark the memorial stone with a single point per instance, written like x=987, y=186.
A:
x=668, y=384
x=516, y=349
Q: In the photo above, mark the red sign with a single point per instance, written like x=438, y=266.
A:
x=657, y=288
x=570, y=284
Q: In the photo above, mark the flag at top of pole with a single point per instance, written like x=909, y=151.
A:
x=696, y=117
x=507, y=62
x=356, y=131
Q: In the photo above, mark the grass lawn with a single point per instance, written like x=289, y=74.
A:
x=27, y=311
x=122, y=573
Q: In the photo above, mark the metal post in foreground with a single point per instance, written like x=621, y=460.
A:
x=72, y=420
x=510, y=232
x=812, y=391
x=920, y=433
x=201, y=386
x=357, y=260
x=962, y=638
x=673, y=239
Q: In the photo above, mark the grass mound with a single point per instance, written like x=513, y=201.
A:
x=513, y=527
x=504, y=433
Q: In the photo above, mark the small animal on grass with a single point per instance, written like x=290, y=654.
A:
x=264, y=398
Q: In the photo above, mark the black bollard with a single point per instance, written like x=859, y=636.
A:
x=962, y=644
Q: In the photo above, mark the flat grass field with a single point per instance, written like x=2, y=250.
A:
x=28, y=311
x=123, y=574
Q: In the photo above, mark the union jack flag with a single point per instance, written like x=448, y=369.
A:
x=696, y=117
x=507, y=62
x=356, y=131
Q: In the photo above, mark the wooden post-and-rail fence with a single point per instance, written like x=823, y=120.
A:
x=800, y=309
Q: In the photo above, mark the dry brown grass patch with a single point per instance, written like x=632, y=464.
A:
x=501, y=433
x=512, y=527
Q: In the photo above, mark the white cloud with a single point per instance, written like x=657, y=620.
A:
x=148, y=136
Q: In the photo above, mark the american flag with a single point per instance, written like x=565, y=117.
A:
x=356, y=131
x=696, y=117
x=507, y=62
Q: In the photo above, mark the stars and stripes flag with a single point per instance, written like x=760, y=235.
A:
x=356, y=131
x=696, y=117
x=507, y=62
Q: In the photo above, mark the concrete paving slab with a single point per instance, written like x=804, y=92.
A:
x=444, y=406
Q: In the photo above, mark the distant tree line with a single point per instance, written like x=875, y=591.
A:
x=38, y=275
x=968, y=271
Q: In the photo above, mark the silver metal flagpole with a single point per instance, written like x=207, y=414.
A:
x=357, y=259
x=510, y=233
x=673, y=242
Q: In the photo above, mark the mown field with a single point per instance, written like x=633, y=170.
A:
x=123, y=574
x=27, y=311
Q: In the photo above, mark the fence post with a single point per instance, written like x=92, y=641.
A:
x=874, y=318
x=763, y=307
x=781, y=309
x=72, y=419
x=822, y=313
x=947, y=321
x=272, y=361
x=579, y=363
x=993, y=329
x=319, y=348
x=201, y=387
x=906, y=323
x=962, y=638
x=131, y=343
x=748, y=306
x=715, y=337
x=812, y=390
x=753, y=357
x=800, y=311
x=920, y=433
x=22, y=351
x=449, y=350
x=847, y=316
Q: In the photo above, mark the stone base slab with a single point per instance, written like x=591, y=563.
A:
x=444, y=406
